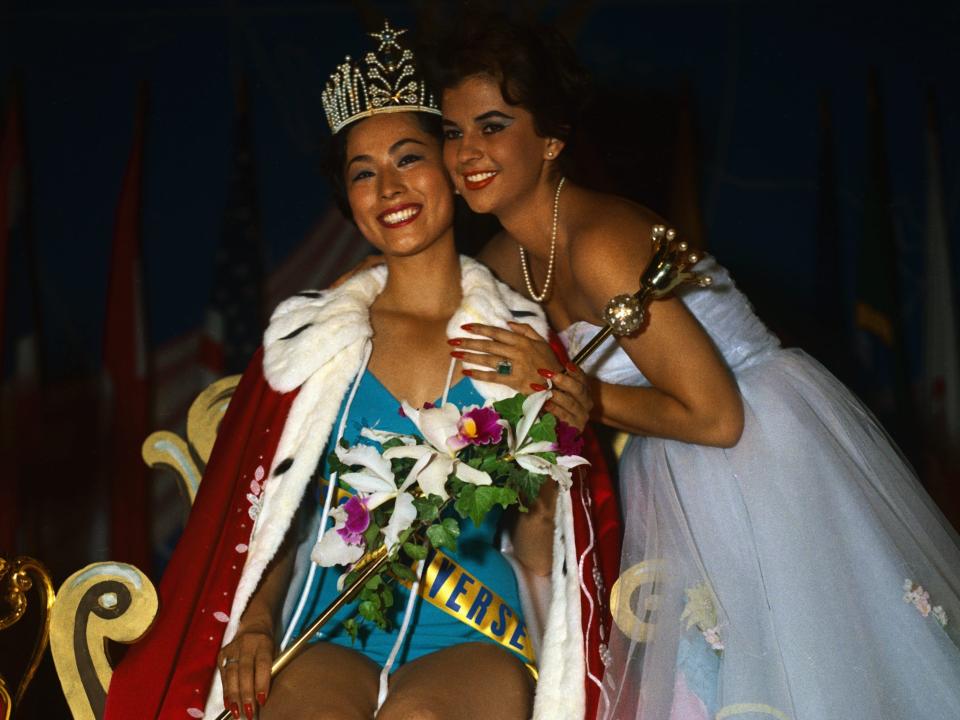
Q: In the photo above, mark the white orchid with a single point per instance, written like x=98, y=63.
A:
x=332, y=548
x=375, y=484
x=436, y=458
x=524, y=450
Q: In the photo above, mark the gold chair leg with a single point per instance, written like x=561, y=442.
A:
x=17, y=578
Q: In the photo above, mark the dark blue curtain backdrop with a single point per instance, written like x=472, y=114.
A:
x=756, y=71
x=754, y=75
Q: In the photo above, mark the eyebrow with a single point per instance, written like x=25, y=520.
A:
x=492, y=114
x=393, y=148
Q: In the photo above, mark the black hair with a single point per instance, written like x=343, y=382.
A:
x=335, y=157
x=535, y=66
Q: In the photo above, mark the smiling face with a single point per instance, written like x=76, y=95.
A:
x=396, y=184
x=491, y=148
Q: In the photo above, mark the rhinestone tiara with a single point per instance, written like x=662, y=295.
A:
x=386, y=81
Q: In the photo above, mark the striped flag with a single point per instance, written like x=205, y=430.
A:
x=880, y=338
x=126, y=404
x=941, y=359
x=20, y=362
x=235, y=314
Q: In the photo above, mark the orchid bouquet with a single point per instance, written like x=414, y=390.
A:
x=470, y=459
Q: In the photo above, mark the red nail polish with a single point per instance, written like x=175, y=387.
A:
x=261, y=697
x=543, y=372
x=235, y=710
x=248, y=710
x=468, y=327
x=538, y=387
x=458, y=354
x=456, y=342
x=467, y=372
x=571, y=367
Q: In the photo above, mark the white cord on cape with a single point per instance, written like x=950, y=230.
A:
x=407, y=615
x=328, y=499
x=446, y=387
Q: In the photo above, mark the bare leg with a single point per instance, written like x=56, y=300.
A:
x=470, y=681
x=326, y=682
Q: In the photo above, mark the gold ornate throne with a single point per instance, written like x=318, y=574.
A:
x=109, y=601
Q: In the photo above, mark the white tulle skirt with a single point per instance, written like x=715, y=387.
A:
x=802, y=574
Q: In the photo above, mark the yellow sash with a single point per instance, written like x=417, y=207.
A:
x=449, y=587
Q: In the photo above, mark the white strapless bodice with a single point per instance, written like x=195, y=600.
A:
x=722, y=310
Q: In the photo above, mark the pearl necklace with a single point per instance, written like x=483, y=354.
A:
x=553, y=253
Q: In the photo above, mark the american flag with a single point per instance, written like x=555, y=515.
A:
x=234, y=317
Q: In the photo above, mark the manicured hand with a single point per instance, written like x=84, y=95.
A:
x=521, y=346
x=534, y=367
x=244, y=665
x=571, y=400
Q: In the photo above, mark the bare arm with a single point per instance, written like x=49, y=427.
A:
x=532, y=533
x=694, y=396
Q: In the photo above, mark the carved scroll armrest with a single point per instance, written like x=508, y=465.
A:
x=104, y=601
x=188, y=458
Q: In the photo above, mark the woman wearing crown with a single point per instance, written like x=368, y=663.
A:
x=241, y=582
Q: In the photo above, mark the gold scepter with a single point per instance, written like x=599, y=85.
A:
x=624, y=314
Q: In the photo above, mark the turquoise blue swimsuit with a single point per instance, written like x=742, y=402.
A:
x=430, y=628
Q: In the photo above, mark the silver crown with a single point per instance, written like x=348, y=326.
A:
x=386, y=81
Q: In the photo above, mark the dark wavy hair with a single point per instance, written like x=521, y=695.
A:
x=335, y=157
x=535, y=66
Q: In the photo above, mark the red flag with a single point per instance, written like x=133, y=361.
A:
x=10, y=159
x=126, y=404
x=11, y=155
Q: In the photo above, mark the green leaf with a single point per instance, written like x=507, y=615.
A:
x=387, y=596
x=335, y=465
x=466, y=503
x=414, y=551
x=370, y=611
x=439, y=537
x=544, y=429
x=526, y=484
x=402, y=572
x=451, y=526
x=427, y=510
x=371, y=534
x=352, y=627
x=392, y=443
x=511, y=409
x=351, y=578
x=373, y=583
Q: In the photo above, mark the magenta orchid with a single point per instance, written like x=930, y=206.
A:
x=477, y=426
x=357, y=520
x=569, y=440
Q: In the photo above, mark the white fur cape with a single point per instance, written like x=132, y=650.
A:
x=316, y=342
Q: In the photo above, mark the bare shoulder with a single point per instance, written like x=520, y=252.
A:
x=610, y=243
x=500, y=255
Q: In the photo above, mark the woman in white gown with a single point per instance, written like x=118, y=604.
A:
x=781, y=559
